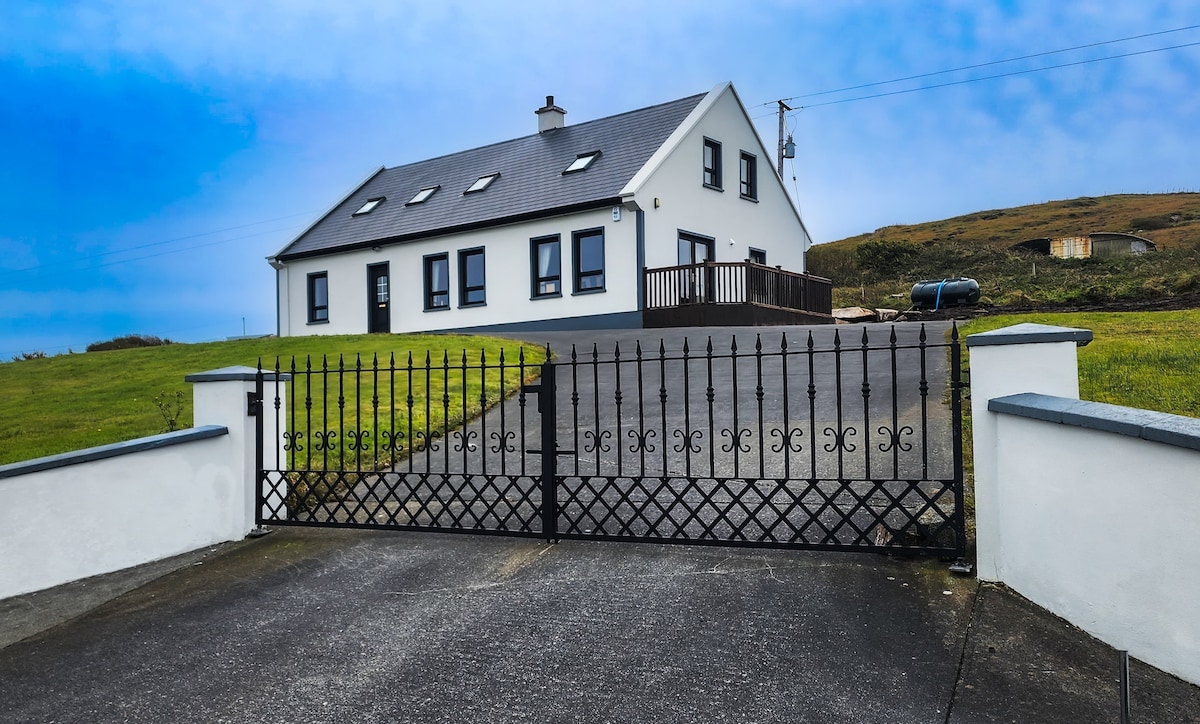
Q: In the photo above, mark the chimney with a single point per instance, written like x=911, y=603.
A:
x=550, y=117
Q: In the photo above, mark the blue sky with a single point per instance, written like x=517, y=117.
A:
x=155, y=153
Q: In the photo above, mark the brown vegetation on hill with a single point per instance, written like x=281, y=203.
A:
x=879, y=269
x=1169, y=220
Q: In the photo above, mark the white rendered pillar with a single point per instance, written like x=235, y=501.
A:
x=224, y=397
x=1021, y=358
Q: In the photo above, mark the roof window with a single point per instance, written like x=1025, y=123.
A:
x=482, y=183
x=422, y=195
x=369, y=206
x=582, y=162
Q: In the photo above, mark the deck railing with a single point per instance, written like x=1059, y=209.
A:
x=739, y=282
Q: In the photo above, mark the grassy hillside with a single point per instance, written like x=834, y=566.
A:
x=879, y=268
x=70, y=402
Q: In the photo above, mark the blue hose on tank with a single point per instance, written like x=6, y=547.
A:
x=937, y=303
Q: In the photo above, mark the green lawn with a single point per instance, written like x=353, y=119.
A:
x=1149, y=360
x=70, y=402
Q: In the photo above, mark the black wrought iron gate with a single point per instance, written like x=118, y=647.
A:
x=814, y=443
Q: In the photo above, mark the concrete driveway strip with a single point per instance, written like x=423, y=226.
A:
x=330, y=625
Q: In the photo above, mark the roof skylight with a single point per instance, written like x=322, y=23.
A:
x=423, y=195
x=369, y=206
x=482, y=183
x=582, y=161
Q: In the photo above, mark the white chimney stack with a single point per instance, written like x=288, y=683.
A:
x=550, y=117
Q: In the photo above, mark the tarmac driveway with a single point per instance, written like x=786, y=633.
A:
x=337, y=625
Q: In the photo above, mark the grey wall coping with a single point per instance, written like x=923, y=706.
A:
x=1177, y=430
x=1029, y=333
x=154, y=442
x=238, y=373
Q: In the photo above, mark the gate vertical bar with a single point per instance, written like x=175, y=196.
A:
x=956, y=385
x=548, y=407
x=259, y=472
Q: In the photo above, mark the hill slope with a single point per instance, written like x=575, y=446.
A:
x=1169, y=220
x=879, y=268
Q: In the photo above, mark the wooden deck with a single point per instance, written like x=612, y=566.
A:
x=734, y=294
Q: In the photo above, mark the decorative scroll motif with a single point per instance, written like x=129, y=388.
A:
x=735, y=440
x=893, y=439
x=840, y=439
x=428, y=440
x=789, y=439
x=392, y=441
x=597, y=440
x=325, y=440
x=641, y=441
x=358, y=440
x=464, y=438
x=503, y=441
x=291, y=441
x=689, y=441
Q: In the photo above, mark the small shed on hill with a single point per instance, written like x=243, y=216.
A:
x=1100, y=243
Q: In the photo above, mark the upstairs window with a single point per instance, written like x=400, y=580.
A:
x=582, y=162
x=471, y=279
x=749, y=176
x=369, y=206
x=588, y=253
x=546, y=266
x=318, y=297
x=712, y=164
x=422, y=195
x=482, y=183
x=437, y=282
x=758, y=256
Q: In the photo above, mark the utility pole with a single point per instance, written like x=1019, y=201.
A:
x=783, y=107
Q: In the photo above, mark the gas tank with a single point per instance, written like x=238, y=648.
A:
x=941, y=293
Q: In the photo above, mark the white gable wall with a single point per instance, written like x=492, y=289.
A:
x=686, y=204
x=507, y=273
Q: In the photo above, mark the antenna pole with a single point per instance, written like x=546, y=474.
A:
x=783, y=107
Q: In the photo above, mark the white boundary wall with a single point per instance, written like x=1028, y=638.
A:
x=96, y=511
x=1092, y=511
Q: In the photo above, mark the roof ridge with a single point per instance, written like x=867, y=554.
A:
x=535, y=135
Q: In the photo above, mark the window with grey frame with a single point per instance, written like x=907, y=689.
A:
x=748, y=173
x=545, y=262
x=318, y=297
x=437, y=281
x=712, y=163
x=471, y=278
x=587, y=252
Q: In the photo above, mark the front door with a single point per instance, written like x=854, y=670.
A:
x=378, y=299
x=694, y=282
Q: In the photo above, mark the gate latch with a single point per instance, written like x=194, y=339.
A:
x=557, y=451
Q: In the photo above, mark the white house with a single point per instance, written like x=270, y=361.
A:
x=554, y=230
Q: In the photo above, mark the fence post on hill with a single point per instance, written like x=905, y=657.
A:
x=228, y=397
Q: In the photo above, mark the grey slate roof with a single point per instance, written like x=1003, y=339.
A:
x=531, y=182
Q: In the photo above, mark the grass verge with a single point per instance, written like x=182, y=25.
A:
x=70, y=402
x=1149, y=360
